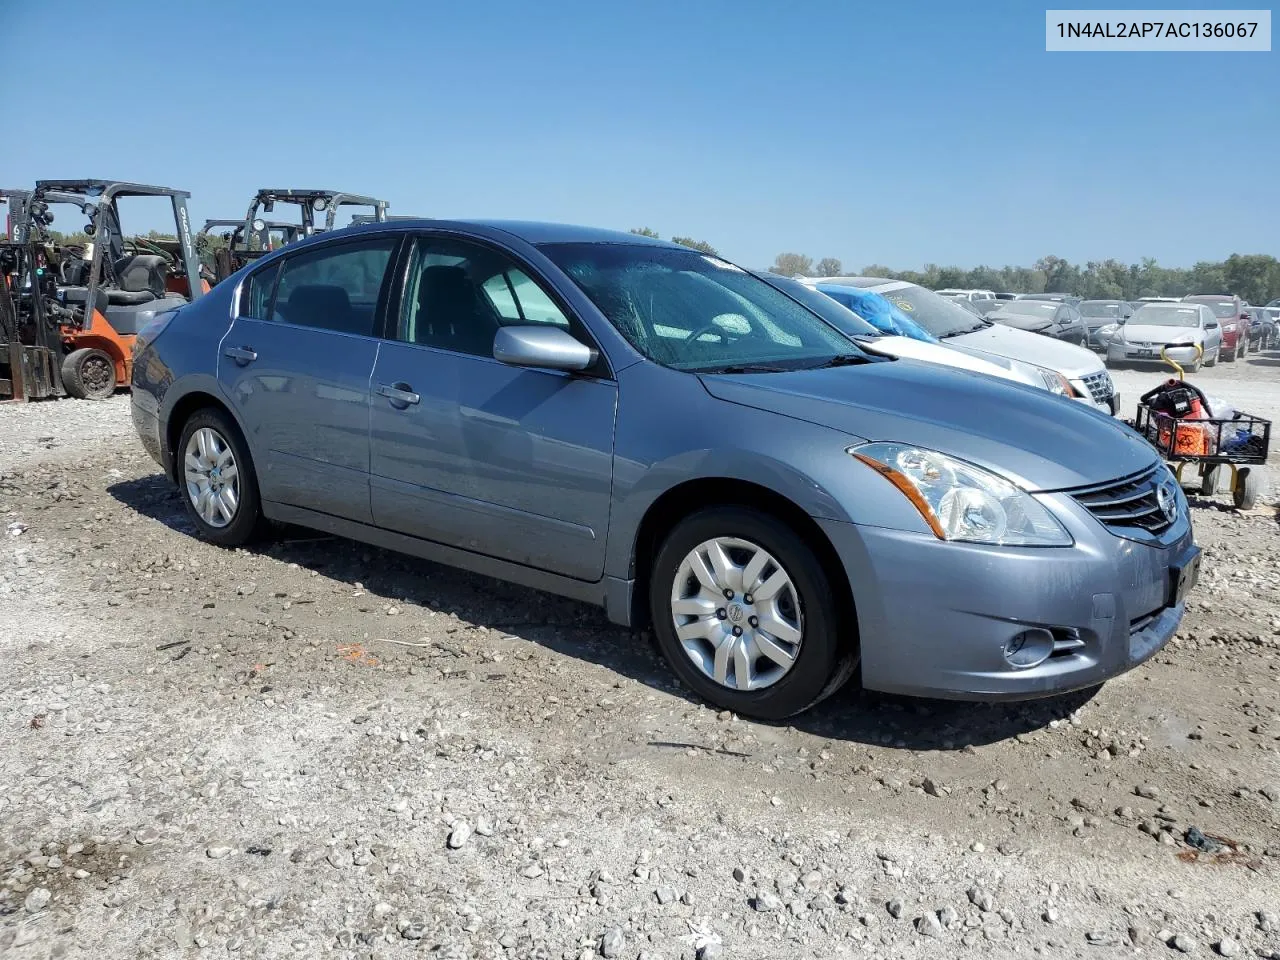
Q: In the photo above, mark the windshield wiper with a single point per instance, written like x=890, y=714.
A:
x=843, y=360
x=745, y=368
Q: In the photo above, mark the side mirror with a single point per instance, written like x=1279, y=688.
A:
x=542, y=347
x=259, y=225
x=1211, y=326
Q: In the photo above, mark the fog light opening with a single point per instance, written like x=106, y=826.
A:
x=1027, y=649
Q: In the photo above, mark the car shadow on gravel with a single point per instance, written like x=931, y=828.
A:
x=582, y=631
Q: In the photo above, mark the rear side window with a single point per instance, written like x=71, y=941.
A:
x=255, y=298
x=334, y=287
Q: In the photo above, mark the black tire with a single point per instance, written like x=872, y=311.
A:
x=1248, y=488
x=89, y=374
x=1231, y=357
x=1209, y=481
x=248, y=522
x=825, y=660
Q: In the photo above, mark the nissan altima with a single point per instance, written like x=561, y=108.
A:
x=644, y=427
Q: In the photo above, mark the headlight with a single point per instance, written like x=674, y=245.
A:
x=1107, y=331
x=1055, y=382
x=962, y=502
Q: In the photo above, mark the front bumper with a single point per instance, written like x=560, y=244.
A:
x=1128, y=353
x=934, y=617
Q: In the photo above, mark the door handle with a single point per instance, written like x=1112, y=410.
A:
x=241, y=355
x=401, y=395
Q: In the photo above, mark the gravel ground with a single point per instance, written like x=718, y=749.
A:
x=317, y=748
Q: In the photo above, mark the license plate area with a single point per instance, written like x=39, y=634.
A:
x=1144, y=352
x=1182, y=577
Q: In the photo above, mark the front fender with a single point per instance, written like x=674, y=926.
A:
x=661, y=444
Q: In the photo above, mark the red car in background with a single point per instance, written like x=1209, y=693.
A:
x=1233, y=314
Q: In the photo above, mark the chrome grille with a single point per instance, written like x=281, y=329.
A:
x=1099, y=386
x=1130, y=503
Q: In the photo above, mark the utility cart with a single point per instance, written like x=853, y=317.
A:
x=1178, y=421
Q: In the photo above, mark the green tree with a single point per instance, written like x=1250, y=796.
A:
x=830, y=267
x=1253, y=276
x=792, y=264
x=700, y=245
x=645, y=232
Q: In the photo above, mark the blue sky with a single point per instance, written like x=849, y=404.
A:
x=895, y=133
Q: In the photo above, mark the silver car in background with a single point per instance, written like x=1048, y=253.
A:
x=1188, y=333
x=956, y=327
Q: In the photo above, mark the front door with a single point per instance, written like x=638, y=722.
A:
x=509, y=462
x=296, y=364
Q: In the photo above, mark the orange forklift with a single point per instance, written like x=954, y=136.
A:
x=69, y=314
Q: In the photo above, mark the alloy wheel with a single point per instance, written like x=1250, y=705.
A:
x=737, y=614
x=212, y=477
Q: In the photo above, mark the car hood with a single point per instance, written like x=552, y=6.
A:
x=1022, y=321
x=1151, y=333
x=1031, y=437
x=907, y=348
x=1071, y=361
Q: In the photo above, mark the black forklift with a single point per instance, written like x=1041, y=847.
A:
x=69, y=314
x=255, y=236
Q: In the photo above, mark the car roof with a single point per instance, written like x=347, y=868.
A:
x=530, y=231
x=864, y=282
x=1206, y=297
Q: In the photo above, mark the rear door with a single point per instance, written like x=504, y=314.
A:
x=510, y=462
x=296, y=364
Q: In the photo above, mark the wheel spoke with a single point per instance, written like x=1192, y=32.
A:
x=695, y=630
x=193, y=465
x=230, y=472
x=767, y=646
x=203, y=438
x=770, y=588
x=700, y=570
x=751, y=572
x=723, y=652
x=741, y=666
x=725, y=570
x=693, y=607
x=224, y=457
x=227, y=503
x=776, y=627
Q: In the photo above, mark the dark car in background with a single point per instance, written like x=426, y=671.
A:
x=1261, y=328
x=1055, y=297
x=1235, y=320
x=1053, y=318
x=1098, y=314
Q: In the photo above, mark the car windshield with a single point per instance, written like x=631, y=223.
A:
x=1222, y=308
x=1031, y=308
x=937, y=315
x=1166, y=315
x=836, y=314
x=1100, y=308
x=694, y=312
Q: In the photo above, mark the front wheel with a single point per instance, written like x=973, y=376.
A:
x=217, y=476
x=1213, y=360
x=89, y=374
x=1248, y=488
x=745, y=614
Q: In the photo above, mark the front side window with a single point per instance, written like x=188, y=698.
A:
x=694, y=312
x=458, y=294
x=335, y=286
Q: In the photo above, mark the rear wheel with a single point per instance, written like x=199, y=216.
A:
x=1248, y=488
x=745, y=614
x=218, y=479
x=89, y=374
